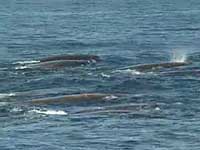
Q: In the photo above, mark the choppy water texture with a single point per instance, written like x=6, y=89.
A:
x=164, y=111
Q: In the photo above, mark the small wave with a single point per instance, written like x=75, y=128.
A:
x=49, y=112
x=4, y=95
x=3, y=103
x=26, y=62
x=3, y=69
x=178, y=103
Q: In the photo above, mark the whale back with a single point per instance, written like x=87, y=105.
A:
x=71, y=99
x=147, y=67
x=71, y=57
x=60, y=64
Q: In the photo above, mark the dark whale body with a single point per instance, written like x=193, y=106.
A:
x=157, y=66
x=61, y=61
x=71, y=57
x=59, y=64
x=76, y=98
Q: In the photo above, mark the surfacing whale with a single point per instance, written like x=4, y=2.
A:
x=157, y=66
x=61, y=61
x=71, y=57
x=75, y=98
x=59, y=64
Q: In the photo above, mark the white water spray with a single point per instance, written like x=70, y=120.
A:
x=179, y=56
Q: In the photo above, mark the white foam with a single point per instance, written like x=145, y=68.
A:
x=157, y=108
x=178, y=103
x=93, y=61
x=26, y=62
x=111, y=97
x=21, y=67
x=179, y=56
x=130, y=71
x=105, y=75
x=16, y=109
x=4, y=95
x=49, y=112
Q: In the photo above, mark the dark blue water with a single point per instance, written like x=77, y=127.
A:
x=122, y=33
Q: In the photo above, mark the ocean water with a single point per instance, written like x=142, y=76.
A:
x=123, y=33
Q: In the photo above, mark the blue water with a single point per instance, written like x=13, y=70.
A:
x=122, y=33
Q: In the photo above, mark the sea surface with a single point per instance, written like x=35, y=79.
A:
x=166, y=112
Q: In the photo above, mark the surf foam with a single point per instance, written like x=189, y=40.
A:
x=49, y=112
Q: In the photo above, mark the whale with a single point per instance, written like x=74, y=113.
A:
x=61, y=61
x=74, y=98
x=58, y=64
x=71, y=57
x=157, y=66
